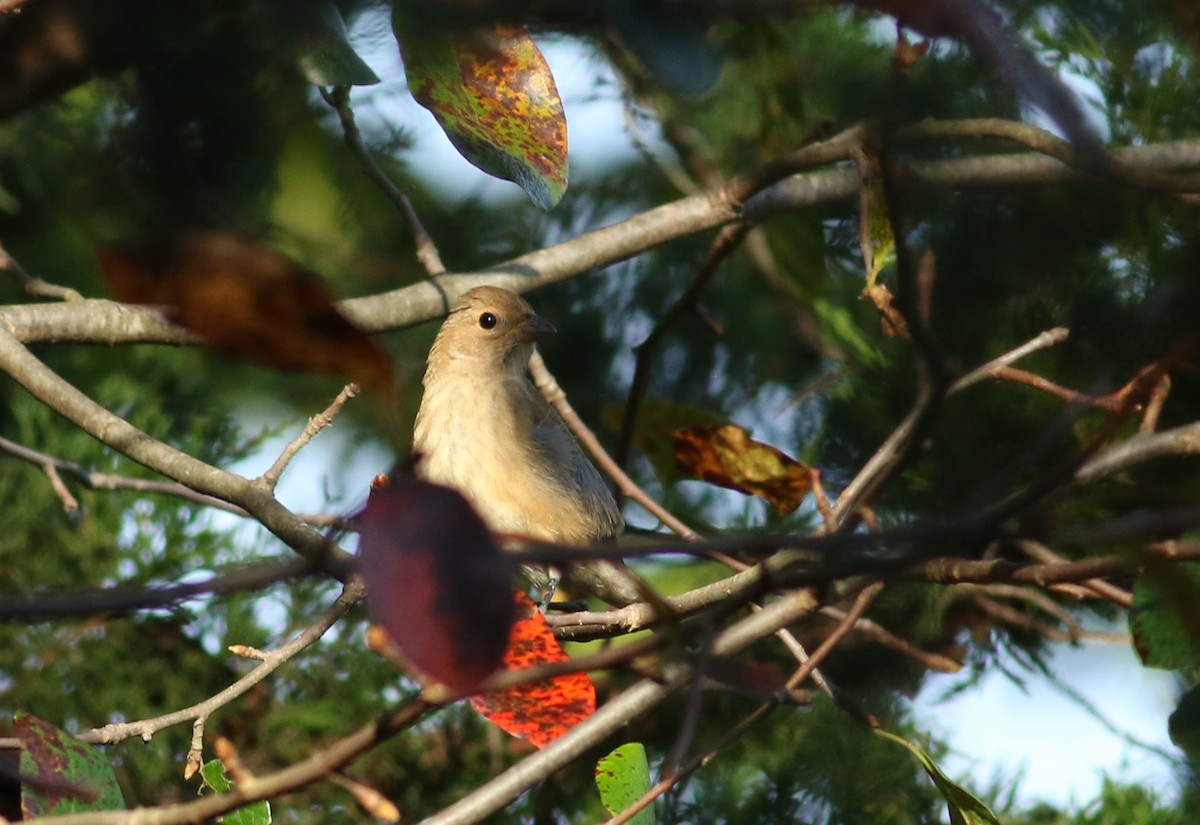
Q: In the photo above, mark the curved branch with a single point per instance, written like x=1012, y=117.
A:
x=97, y=321
x=271, y=660
x=62, y=397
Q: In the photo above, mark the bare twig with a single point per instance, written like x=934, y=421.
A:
x=1140, y=448
x=861, y=602
x=65, y=399
x=271, y=660
x=883, y=636
x=727, y=240
x=108, y=322
x=33, y=285
x=1062, y=393
x=554, y=394
x=1158, y=397
x=318, y=422
x=338, y=99
x=1105, y=590
x=117, y=600
x=106, y=481
x=888, y=454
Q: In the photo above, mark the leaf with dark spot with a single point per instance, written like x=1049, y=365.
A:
x=543, y=711
x=60, y=774
x=492, y=92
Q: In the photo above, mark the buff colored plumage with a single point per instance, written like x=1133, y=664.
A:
x=485, y=429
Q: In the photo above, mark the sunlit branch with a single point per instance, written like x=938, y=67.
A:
x=113, y=431
x=315, y=424
x=271, y=660
x=32, y=285
x=99, y=321
x=554, y=394
x=861, y=603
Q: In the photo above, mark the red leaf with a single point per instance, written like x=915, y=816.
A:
x=543, y=711
x=436, y=581
x=247, y=300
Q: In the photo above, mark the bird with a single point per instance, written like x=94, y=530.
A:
x=484, y=429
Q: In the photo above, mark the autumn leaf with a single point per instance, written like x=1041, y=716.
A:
x=247, y=300
x=543, y=711
x=726, y=456
x=436, y=581
x=60, y=774
x=492, y=92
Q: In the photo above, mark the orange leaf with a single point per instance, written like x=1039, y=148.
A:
x=543, y=711
x=728, y=457
x=436, y=581
x=248, y=300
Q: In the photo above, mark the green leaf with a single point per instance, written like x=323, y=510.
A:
x=492, y=93
x=1184, y=725
x=623, y=777
x=60, y=774
x=965, y=808
x=256, y=813
x=1163, y=620
x=314, y=32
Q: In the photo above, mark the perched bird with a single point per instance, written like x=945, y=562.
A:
x=485, y=429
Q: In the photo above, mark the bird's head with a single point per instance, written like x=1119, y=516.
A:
x=492, y=328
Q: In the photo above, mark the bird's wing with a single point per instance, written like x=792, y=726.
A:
x=559, y=448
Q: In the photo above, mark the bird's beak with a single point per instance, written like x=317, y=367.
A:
x=535, y=328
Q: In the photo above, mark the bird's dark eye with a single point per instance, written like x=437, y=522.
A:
x=487, y=320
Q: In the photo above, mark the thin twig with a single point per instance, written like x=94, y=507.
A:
x=270, y=479
x=886, y=456
x=861, y=602
x=727, y=240
x=338, y=98
x=272, y=659
x=1158, y=397
x=106, y=481
x=554, y=394
x=1063, y=393
x=1040, y=552
x=883, y=636
x=117, y=600
x=33, y=285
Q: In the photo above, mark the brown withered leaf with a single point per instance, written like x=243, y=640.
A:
x=726, y=456
x=247, y=300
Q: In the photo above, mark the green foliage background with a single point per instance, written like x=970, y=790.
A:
x=206, y=120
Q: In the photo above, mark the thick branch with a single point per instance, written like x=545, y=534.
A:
x=92, y=321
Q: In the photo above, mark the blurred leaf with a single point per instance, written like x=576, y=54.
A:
x=60, y=774
x=248, y=300
x=668, y=40
x=877, y=242
x=543, y=711
x=1184, y=725
x=256, y=813
x=964, y=807
x=623, y=777
x=1164, y=620
x=728, y=457
x=315, y=34
x=492, y=92
x=656, y=422
x=436, y=580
